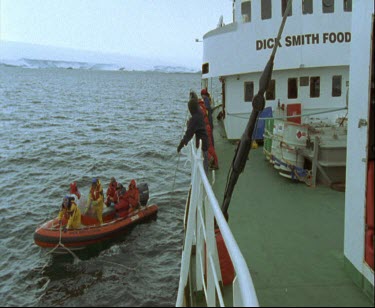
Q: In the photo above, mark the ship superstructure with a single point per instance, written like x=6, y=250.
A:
x=303, y=245
x=311, y=66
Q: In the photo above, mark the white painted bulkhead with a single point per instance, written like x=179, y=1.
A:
x=356, y=171
x=232, y=49
x=310, y=42
x=238, y=111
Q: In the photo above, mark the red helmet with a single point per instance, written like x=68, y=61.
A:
x=204, y=92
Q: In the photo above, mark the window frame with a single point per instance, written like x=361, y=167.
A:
x=313, y=86
x=248, y=97
x=245, y=3
x=348, y=5
x=266, y=4
x=326, y=9
x=205, y=68
x=304, y=81
x=295, y=79
x=336, y=88
x=271, y=90
x=284, y=4
x=309, y=8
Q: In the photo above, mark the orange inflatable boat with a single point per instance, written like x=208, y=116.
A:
x=50, y=234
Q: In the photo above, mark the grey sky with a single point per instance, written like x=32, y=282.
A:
x=164, y=29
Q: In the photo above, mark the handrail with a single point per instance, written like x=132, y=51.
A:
x=202, y=235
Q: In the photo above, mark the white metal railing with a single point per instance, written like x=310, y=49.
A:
x=202, y=212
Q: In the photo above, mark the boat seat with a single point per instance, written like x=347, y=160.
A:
x=108, y=211
x=90, y=218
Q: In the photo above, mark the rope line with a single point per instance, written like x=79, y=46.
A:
x=175, y=172
x=60, y=244
x=236, y=115
x=179, y=157
x=118, y=264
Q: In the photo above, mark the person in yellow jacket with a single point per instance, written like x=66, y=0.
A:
x=71, y=212
x=96, y=199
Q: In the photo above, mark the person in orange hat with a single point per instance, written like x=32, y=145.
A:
x=122, y=206
x=133, y=195
x=111, y=193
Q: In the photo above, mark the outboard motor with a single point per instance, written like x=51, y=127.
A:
x=143, y=193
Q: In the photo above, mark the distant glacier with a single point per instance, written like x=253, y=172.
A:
x=43, y=64
x=41, y=57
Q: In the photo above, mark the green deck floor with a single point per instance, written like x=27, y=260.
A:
x=291, y=235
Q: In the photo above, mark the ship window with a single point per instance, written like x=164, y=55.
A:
x=284, y=4
x=266, y=9
x=246, y=10
x=270, y=93
x=328, y=6
x=347, y=5
x=303, y=81
x=205, y=68
x=336, y=85
x=292, y=87
x=314, y=86
x=249, y=91
x=307, y=6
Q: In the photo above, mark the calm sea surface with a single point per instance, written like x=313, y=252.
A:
x=59, y=126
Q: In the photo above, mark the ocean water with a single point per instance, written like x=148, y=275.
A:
x=59, y=126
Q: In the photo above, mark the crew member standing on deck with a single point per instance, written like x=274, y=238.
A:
x=196, y=126
x=207, y=103
x=96, y=199
x=212, y=157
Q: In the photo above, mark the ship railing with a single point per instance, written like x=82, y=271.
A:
x=200, y=266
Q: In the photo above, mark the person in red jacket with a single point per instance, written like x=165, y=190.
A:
x=207, y=102
x=133, y=195
x=74, y=190
x=212, y=156
x=122, y=206
x=111, y=193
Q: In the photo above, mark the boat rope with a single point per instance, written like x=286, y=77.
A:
x=118, y=264
x=60, y=244
x=175, y=172
x=237, y=115
x=179, y=157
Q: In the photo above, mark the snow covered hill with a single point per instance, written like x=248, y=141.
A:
x=38, y=56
